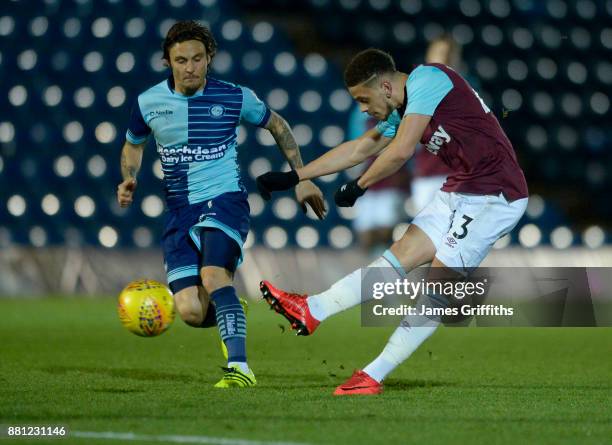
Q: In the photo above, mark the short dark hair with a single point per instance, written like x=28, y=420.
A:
x=366, y=64
x=189, y=30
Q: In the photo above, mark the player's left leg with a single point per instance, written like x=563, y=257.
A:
x=411, y=333
x=220, y=256
x=478, y=221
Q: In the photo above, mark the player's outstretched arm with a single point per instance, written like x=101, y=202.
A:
x=131, y=159
x=345, y=155
x=305, y=192
x=400, y=149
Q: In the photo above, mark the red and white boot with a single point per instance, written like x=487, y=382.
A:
x=293, y=307
x=361, y=384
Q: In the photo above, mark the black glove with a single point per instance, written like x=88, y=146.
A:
x=276, y=181
x=347, y=194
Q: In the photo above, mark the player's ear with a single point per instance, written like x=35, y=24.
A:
x=208, y=59
x=387, y=88
x=166, y=63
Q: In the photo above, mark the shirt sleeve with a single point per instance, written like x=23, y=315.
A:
x=254, y=111
x=427, y=86
x=138, y=130
x=357, y=124
x=386, y=128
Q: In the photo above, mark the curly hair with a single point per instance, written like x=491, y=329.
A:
x=189, y=30
x=366, y=64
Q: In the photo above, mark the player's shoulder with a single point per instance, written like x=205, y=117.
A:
x=428, y=71
x=215, y=84
x=429, y=77
x=160, y=89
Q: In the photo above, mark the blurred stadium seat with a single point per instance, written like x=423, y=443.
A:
x=71, y=71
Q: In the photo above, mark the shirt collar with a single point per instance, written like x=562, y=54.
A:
x=170, y=85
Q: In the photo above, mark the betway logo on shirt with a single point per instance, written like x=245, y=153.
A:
x=187, y=153
x=439, y=137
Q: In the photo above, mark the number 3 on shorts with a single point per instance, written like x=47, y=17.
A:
x=463, y=227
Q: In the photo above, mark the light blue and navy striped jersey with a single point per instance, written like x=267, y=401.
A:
x=196, y=136
x=426, y=86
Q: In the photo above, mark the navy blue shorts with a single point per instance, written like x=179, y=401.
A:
x=181, y=243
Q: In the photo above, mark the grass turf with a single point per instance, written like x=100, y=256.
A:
x=68, y=361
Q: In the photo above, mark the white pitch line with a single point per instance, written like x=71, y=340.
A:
x=112, y=435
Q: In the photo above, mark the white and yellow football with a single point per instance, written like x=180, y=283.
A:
x=146, y=308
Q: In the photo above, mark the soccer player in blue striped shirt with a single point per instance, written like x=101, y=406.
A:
x=194, y=119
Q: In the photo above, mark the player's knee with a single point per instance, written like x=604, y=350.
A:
x=188, y=306
x=414, y=248
x=191, y=318
x=211, y=282
x=214, y=278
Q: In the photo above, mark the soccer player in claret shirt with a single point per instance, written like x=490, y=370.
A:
x=483, y=198
x=430, y=172
x=194, y=119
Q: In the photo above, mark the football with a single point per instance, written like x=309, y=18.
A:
x=146, y=308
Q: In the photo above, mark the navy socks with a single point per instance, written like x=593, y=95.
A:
x=231, y=321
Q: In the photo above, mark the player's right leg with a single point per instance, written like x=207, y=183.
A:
x=181, y=260
x=305, y=313
x=193, y=306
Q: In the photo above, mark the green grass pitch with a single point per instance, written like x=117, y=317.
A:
x=69, y=361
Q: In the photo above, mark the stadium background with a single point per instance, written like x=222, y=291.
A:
x=71, y=69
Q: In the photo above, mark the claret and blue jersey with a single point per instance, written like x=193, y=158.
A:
x=426, y=87
x=462, y=132
x=196, y=136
